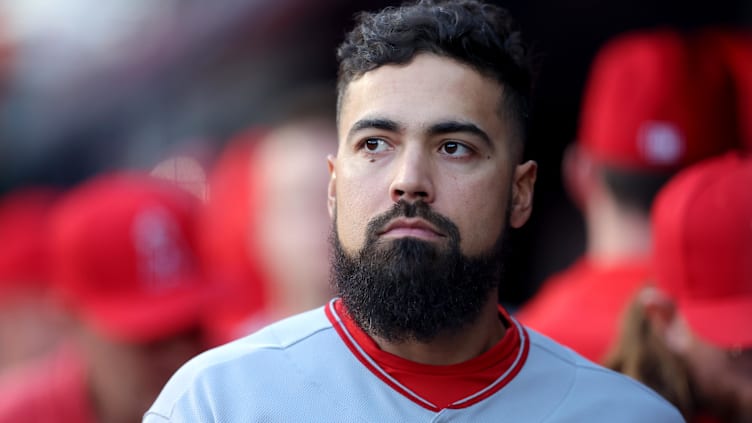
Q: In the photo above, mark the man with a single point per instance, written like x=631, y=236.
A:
x=736, y=47
x=432, y=104
x=29, y=324
x=123, y=260
x=688, y=334
x=265, y=226
x=655, y=102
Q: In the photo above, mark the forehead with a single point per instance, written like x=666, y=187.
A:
x=428, y=89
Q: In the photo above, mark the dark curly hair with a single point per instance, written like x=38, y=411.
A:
x=473, y=33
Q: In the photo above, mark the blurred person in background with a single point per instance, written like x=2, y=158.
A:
x=266, y=227
x=123, y=262
x=689, y=334
x=654, y=103
x=736, y=47
x=29, y=322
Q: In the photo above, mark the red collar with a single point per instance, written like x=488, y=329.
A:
x=437, y=387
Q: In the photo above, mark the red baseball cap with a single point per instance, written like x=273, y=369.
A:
x=23, y=230
x=736, y=47
x=655, y=102
x=702, y=222
x=123, y=249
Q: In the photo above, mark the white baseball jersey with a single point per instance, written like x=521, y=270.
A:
x=311, y=367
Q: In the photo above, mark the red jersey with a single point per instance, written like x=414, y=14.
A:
x=582, y=306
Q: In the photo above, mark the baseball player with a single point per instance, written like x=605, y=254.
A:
x=271, y=248
x=428, y=176
x=655, y=102
x=29, y=322
x=122, y=250
x=688, y=334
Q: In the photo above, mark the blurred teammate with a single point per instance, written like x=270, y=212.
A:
x=267, y=221
x=653, y=104
x=428, y=176
x=736, y=48
x=29, y=322
x=688, y=336
x=123, y=261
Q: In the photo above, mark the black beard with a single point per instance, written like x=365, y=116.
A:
x=412, y=290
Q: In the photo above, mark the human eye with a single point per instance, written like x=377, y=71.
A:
x=374, y=145
x=455, y=149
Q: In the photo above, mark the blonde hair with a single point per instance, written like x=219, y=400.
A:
x=641, y=354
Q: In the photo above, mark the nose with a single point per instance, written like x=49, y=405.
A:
x=413, y=178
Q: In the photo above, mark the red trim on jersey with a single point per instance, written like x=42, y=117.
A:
x=437, y=387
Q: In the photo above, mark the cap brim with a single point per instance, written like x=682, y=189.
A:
x=726, y=324
x=141, y=320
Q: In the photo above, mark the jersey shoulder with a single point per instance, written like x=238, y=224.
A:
x=590, y=392
x=246, y=361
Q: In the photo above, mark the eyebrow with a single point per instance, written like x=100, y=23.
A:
x=457, y=127
x=447, y=127
x=374, y=123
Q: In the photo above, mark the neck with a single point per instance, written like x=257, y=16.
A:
x=615, y=234
x=108, y=411
x=105, y=387
x=457, y=346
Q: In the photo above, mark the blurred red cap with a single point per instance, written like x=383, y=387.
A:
x=702, y=223
x=225, y=230
x=23, y=229
x=123, y=250
x=736, y=47
x=653, y=103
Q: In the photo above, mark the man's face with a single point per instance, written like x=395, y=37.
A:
x=290, y=225
x=115, y=366
x=427, y=134
x=430, y=130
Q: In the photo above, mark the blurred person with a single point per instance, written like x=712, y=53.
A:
x=428, y=176
x=123, y=263
x=653, y=104
x=224, y=244
x=292, y=219
x=267, y=220
x=29, y=323
x=736, y=47
x=689, y=335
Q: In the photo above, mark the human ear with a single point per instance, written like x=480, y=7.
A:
x=331, y=199
x=523, y=184
x=578, y=171
x=665, y=319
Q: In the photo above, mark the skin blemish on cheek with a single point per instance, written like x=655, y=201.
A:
x=488, y=157
x=372, y=160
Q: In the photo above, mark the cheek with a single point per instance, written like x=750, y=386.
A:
x=356, y=205
x=481, y=216
x=736, y=380
x=719, y=379
x=294, y=243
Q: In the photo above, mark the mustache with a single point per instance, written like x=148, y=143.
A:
x=418, y=209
